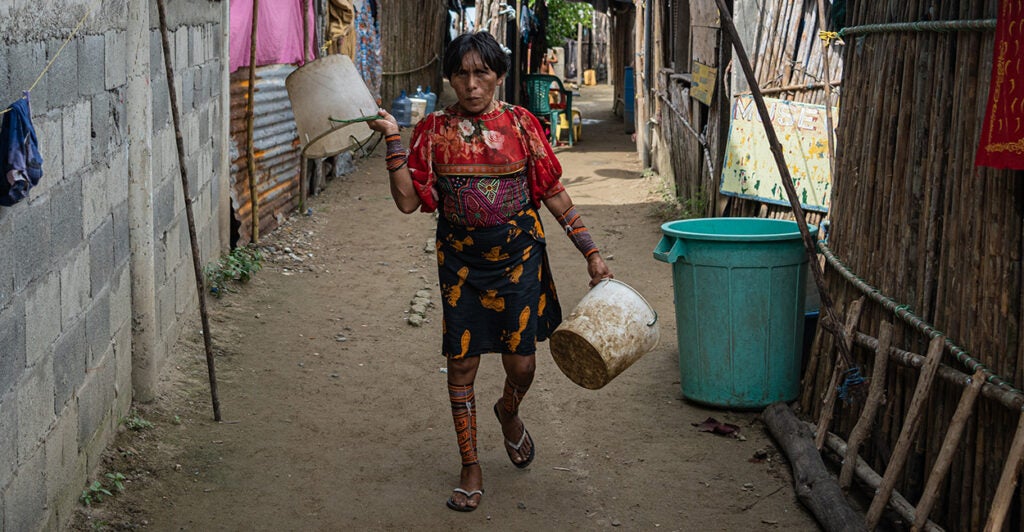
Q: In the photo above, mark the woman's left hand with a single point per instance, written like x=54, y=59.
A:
x=597, y=269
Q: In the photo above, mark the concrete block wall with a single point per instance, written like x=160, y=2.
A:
x=66, y=252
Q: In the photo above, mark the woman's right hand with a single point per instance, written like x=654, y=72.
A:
x=387, y=124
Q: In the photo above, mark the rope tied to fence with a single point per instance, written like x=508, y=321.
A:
x=903, y=312
x=829, y=36
x=920, y=26
x=417, y=69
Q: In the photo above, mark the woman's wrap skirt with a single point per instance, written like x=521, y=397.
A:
x=497, y=293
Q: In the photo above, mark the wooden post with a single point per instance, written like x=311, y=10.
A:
x=909, y=431
x=190, y=217
x=830, y=321
x=1007, y=481
x=949, y=445
x=827, y=76
x=867, y=416
x=852, y=319
x=250, y=113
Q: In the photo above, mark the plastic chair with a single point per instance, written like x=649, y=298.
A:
x=538, y=90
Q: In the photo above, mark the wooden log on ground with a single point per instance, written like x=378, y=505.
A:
x=814, y=486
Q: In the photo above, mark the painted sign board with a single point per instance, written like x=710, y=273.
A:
x=703, y=86
x=750, y=171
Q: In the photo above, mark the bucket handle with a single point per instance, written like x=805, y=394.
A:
x=655, y=320
x=669, y=249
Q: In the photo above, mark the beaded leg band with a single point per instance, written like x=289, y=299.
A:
x=396, y=157
x=463, y=404
x=578, y=233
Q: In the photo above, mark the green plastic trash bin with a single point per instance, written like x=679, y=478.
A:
x=739, y=299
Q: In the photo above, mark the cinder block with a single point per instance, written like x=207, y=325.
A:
x=8, y=438
x=97, y=328
x=66, y=216
x=187, y=91
x=173, y=249
x=74, y=287
x=161, y=106
x=192, y=135
x=185, y=299
x=115, y=53
x=69, y=358
x=62, y=77
x=96, y=397
x=95, y=206
x=77, y=137
x=42, y=317
x=101, y=256
x=117, y=177
x=6, y=90
x=12, y=343
x=35, y=408
x=25, y=497
x=31, y=241
x=50, y=132
x=24, y=60
x=122, y=248
x=179, y=43
x=121, y=297
x=65, y=472
x=102, y=126
x=157, y=70
x=163, y=208
x=216, y=84
x=8, y=261
x=159, y=260
x=165, y=315
x=91, y=63
x=123, y=373
x=205, y=126
x=197, y=44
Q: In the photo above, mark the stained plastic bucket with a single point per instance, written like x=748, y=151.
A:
x=611, y=328
x=739, y=286
x=329, y=87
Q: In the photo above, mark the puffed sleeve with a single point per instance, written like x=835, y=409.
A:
x=421, y=165
x=545, y=171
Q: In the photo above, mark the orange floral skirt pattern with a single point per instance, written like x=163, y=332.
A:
x=497, y=293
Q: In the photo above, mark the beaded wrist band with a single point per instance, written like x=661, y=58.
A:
x=577, y=232
x=396, y=157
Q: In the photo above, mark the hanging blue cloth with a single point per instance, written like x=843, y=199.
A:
x=21, y=165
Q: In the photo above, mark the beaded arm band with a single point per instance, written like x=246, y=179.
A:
x=396, y=156
x=577, y=232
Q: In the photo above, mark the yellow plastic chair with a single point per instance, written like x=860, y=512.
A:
x=538, y=89
x=577, y=126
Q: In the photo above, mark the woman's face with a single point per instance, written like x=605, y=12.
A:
x=475, y=83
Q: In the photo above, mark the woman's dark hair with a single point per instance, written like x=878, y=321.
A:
x=483, y=43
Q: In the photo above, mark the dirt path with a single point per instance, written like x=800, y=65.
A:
x=337, y=415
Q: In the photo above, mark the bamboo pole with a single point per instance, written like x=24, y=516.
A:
x=831, y=321
x=852, y=319
x=908, y=433
x=250, y=113
x=872, y=480
x=827, y=74
x=190, y=217
x=949, y=446
x=876, y=391
x=1007, y=481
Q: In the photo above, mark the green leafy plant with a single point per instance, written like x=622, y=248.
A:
x=94, y=493
x=237, y=266
x=563, y=17
x=137, y=423
x=672, y=207
x=116, y=480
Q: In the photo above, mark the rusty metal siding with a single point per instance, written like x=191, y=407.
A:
x=275, y=146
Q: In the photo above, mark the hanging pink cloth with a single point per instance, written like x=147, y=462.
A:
x=278, y=37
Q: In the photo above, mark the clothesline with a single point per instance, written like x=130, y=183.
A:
x=88, y=10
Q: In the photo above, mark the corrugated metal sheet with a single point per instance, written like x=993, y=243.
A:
x=275, y=147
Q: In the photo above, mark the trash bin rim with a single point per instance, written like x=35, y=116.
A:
x=672, y=229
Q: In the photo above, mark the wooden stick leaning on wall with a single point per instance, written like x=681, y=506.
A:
x=909, y=431
x=949, y=446
x=831, y=321
x=196, y=260
x=1007, y=481
x=876, y=391
x=827, y=74
x=250, y=133
x=852, y=319
x=303, y=170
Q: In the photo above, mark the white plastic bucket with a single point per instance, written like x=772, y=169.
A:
x=329, y=87
x=610, y=329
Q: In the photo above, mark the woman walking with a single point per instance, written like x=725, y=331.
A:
x=488, y=167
